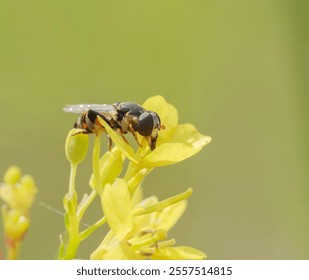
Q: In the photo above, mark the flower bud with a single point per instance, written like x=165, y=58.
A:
x=110, y=167
x=12, y=175
x=76, y=145
x=15, y=225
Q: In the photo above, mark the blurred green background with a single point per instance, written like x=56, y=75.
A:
x=238, y=70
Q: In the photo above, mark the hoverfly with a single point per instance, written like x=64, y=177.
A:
x=123, y=117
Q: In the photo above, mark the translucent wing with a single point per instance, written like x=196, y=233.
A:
x=81, y=108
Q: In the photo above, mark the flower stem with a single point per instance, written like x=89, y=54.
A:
x=13, y=251
x=72, y=222
x=164, y=203
x=96, y=162
x=85, y=204
x=97, y=189
x=74, y=239
x=72, y=177
x=88, y=231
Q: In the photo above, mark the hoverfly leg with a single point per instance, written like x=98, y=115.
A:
x=135, y=136
x=122, y=136
x=110, y=142
x=81, y=131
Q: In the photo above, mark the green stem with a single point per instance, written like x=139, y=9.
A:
x=137, y=179
x=83, y=207
x=74, y=239
x=133, y=168
x=73, y=214
x=88, y=231
x=73, y=228
x=164, y=203
x=96, y=162
x=97, y=189
x=13, y=251
x=72, y=177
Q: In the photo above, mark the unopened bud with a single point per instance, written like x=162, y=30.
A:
x=12, y=175
x=15, y=225
x=76, y=145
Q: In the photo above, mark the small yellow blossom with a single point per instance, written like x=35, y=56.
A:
x=18, y=193
x=12, y=175
x=176, y=142
x=140, y=236
x=15, y=226
x=111, y=164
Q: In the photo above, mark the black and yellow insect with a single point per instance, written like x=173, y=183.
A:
x=123, y=117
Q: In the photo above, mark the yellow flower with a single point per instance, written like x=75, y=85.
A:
x=15, y=225
x=111, y=164
x=17, y=191
x=138, y=228
x=176, y=142
x=139, y=231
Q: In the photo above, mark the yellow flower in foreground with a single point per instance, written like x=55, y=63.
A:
x=175, y=143
x=140, y=231
x=138, y=228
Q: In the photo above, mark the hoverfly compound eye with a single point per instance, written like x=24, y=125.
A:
x=157, y=121
x=145, y=124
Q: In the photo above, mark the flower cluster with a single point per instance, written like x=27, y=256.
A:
x=18, y=193
x=139, y=231
x=138, y=227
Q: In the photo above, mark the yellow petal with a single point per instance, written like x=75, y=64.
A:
x=178, y=253
x=15, y=225
x=25, y=193
x=169, y=153
x=146, y=221
x=114, y=253
x=7, y=194
x=12, y=175
x=111, y=253
x=170, y=215
x=188, y=134
x=112, y=249
x=121, y=252
x=137, y=196
x=108, y=242
x=166, y=111
x=129, y=253
x=110, y=167
x=136, y=180
x=117, y=208
x=21, y=195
